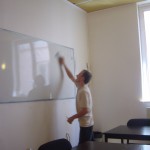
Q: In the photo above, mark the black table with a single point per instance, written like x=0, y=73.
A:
x=130, y=133
x=110, y=146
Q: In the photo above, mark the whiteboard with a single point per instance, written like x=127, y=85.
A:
x=30, y=71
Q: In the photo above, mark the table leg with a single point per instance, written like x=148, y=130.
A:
x=106, y=139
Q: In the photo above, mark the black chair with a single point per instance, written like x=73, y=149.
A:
x=138, y=122
x=59, y=144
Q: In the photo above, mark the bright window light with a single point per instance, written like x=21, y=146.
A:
x=144, y=26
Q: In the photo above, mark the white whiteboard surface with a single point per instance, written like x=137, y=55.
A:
x=29, y=69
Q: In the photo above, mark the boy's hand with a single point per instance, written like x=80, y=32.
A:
x=61, y=60
x=70, y=120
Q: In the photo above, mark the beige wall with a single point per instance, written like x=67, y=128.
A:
x=24, y=125
x=115, y=63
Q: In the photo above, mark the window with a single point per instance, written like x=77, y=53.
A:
x=144, y=27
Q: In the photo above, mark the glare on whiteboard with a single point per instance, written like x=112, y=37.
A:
x=3, y=66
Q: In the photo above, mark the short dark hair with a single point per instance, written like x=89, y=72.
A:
x=87, y=76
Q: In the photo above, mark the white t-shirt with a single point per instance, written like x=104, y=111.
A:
x=84, y=99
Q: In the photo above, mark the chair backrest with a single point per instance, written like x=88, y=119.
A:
x=139, y=122
x=59, y=144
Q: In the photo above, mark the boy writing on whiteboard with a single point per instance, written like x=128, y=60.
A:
x=83, y=103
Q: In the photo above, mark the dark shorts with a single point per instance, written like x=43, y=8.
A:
x=86, y=134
